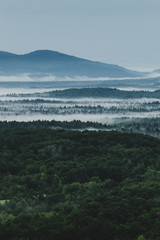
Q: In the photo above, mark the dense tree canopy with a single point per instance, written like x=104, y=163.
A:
x=58, y=184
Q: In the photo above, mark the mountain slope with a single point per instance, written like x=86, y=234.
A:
x=45, y=62
x=156, y=70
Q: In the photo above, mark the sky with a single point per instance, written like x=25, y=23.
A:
x=123, y=32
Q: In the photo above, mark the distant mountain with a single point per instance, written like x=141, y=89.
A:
x=45, y=62
x=156, y=70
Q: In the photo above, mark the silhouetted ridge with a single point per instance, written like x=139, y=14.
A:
x=46, y=62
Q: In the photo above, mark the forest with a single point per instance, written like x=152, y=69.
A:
x=76, y=124
x=90, y=185
x=93, y=93
x=136, y=125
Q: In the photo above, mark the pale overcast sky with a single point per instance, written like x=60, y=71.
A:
x=124, y=32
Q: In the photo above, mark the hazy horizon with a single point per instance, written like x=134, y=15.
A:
x=136, y=68
x=119, y=32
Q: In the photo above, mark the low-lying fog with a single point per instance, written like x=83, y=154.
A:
x=28, y=83
x=87, y=109
x=107, y=111
x=100, y=118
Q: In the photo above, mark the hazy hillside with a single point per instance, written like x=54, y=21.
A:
x=93, y=93
x=45, y=62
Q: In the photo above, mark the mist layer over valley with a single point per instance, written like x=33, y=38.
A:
x=51, y=86
x=28, y=85
x=65, y=164
x=32, y=106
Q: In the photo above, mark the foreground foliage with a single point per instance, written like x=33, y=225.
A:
x=58, y=184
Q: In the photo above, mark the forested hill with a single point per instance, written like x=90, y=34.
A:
x=58, y=184
x=45, y=63
x=94, y=93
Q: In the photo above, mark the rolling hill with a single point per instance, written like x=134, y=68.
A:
x=45, y=63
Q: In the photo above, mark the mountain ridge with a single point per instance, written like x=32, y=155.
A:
x=59, y=64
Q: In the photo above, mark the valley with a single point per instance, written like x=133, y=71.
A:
x=126, y=111
x=76, y=161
